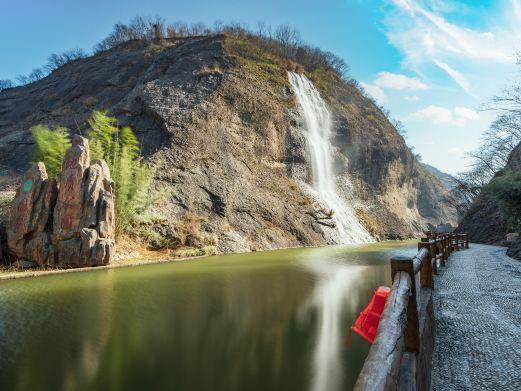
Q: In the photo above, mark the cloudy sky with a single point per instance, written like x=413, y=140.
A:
x=432, y=63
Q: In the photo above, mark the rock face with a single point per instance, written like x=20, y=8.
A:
x=483, y=221
x=28, y=234
x=69, y=227
x=222, y=128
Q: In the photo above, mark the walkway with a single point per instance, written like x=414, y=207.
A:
x=478, y=320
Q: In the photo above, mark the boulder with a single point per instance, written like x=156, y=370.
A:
x=70, y=227
x=28, y=229
x=514, y=249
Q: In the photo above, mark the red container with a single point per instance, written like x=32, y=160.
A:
x=366, y=325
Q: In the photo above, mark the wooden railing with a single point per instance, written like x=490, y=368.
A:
x=401, y=355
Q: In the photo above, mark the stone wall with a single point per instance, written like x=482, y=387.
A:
x=70, y=225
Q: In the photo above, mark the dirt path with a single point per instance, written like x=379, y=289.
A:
x=478, y=319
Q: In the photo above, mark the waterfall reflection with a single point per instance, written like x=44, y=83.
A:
x=330, y=300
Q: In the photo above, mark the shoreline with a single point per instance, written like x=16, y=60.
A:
x=140, y=261
x=17, y=274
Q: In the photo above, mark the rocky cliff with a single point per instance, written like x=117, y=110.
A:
x=484, y=221
x=217, y=117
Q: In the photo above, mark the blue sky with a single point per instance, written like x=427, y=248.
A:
x=432, y=63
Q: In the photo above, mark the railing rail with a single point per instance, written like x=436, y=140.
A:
x=401, y=355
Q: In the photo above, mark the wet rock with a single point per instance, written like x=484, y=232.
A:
x=28, y=231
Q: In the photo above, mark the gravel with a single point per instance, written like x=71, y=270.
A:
x=478, y=320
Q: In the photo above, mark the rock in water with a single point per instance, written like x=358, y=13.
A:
x=83, y=229
x=28, y=230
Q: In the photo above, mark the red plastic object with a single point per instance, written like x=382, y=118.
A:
x=366, y=325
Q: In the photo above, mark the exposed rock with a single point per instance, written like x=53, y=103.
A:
x=222, y=130
x=28, y=233
x=69, y=212
x=514, y=250
x=83, y=208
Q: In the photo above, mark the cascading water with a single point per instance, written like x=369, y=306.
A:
x=318, y=129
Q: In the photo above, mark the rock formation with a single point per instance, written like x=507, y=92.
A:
x=71, y=226
x=217, y=118
x=29, y=227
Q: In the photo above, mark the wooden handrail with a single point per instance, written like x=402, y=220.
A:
x=401, y=354
x=382, y=365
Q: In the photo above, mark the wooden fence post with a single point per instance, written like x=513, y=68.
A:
x=456, y=245
x=443, y=248
x=466, y=240
x=412, y=329
x=426, y=279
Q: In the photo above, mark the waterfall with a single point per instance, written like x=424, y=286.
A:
x=317, y=128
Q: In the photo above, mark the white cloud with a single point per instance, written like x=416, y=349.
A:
x=466, y=113
x=436, y=114
x=422, y=32
x=399, y=82
x=412, y=98
x=375, y=92
x=457, y=76
x=442, y=115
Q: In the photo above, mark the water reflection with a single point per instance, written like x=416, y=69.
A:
x=266, y=321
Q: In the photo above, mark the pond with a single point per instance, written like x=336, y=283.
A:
x=276, y=320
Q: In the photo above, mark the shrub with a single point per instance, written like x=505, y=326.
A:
x=132, y=176
x=51, y=146
x=120, y=149
x=506, y=189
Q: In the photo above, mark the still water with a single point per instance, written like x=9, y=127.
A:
x=263, y=321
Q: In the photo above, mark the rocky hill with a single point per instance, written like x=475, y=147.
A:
x=484, y=221
x=448, y=180
x=217, y=118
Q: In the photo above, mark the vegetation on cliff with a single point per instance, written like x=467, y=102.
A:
x=506, y=189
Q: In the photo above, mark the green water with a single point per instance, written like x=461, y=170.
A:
x=263, y=321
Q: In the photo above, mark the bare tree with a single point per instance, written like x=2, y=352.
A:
x=5, y=84
x=156, y=28
x=288, y=38
x=36, y=74
x=264, y=30
x=22, y=79
x=56, y=61
x=180, y=29
x=197, y=29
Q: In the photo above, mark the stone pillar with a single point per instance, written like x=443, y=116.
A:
x=29, y=226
